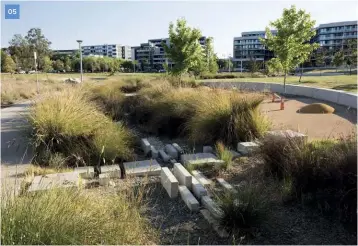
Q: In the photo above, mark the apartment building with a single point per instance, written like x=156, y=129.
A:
x=64, y=52
x=151, y=55
x=110, y=50
x=330, y=36
x=249, y=47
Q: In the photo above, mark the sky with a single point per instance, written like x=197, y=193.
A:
x=134, y=22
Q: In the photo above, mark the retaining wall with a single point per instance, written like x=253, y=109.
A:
x=329, y=95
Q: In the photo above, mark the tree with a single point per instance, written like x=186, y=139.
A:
x=291, y=44
x=338, y=59
x=127, y=66
x=47, y=64
x=210, y=56
x=184, y=50
x=351, y=57
x=67, y=64
x=254, y=65
x=274, y=66
x=7, y=63
x=58, y=65
x=321, y=58
x=224, y=63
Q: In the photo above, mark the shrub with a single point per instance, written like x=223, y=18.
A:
x=324, y=170
x=218, y=76
x=69, y=216
x=224, y=154
x=133, y=85
x=68, y=123
x=228, y=117
x=243, y=209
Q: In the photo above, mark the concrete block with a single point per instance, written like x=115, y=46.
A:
x=287, y=134
x=226, y=185
x=201, y=178
x=164, y=156
x=169, y=182
x=112, y=170
x=104, y=179
x=178, y=148
x=154, y=152
x=197, y=188
x=246, y=148
x=171, y=151
x=145, y=146
x=326, y=94
x=200, y=159
x=208, y=149
x=85, y=172
x=183, y=176
x=214, y=223
x=55, y=180
x=211, y=205
x=142, y=168
x=188, y=198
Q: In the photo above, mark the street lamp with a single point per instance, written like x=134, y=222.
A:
x=79, y=45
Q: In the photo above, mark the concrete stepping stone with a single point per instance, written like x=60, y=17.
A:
x=113, y=171
x=171, y=151
x=178, y=148
x=200, y=159
x=182, y=175
x=169, y=182
x=85, y=172
x=208, y=149
x=188, y=198
x=201, y=178
x=142, y=168
x=145, y=146
x=164, y=156
x=104, y=179
x=55, y=180
x=198, y=189
x=154, y=152
x=211, y=205
x=228, y=187
x=288, y=134
x=246, y=148
x=214, y=223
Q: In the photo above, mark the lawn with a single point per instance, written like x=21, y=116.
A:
x=339, y=82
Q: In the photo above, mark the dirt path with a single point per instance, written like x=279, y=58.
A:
x=316, y=126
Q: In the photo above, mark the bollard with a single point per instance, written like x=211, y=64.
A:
x=282, y=104
x=273, y=97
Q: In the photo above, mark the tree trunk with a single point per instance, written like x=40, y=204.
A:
x=284, y=83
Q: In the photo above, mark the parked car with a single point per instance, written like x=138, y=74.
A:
x=31, y=72
x=22, y=72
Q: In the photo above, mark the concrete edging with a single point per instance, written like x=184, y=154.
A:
x=339, y=97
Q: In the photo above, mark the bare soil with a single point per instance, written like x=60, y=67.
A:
x=317, y=126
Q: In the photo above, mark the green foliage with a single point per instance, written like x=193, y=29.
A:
x=210, y=56
x=274, y=66
x=351, y=57
x=224, y=64
x=291, y=44
x=75, y=217
x=184, y=50
x=224, y=154
x=128, y=66
x=326, y=170
x=254, y=65
x=7, y=63
x=47, y=64
x=338, y=59
x=58, y=65
x=67, y=64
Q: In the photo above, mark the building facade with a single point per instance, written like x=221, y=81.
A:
x=330, y=36
x=109, y=50
x=249, y=47
x=151, y=55
x=64, y=52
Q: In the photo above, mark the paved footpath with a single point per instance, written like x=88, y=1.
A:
x=16, y=152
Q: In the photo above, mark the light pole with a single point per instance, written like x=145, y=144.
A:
x=79, y=45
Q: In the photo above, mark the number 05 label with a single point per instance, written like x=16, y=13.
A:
x=12, y=11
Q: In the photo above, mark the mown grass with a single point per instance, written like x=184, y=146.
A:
x=67, y=123
x=322, y=173
x=76, y=217
x=339, y=82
